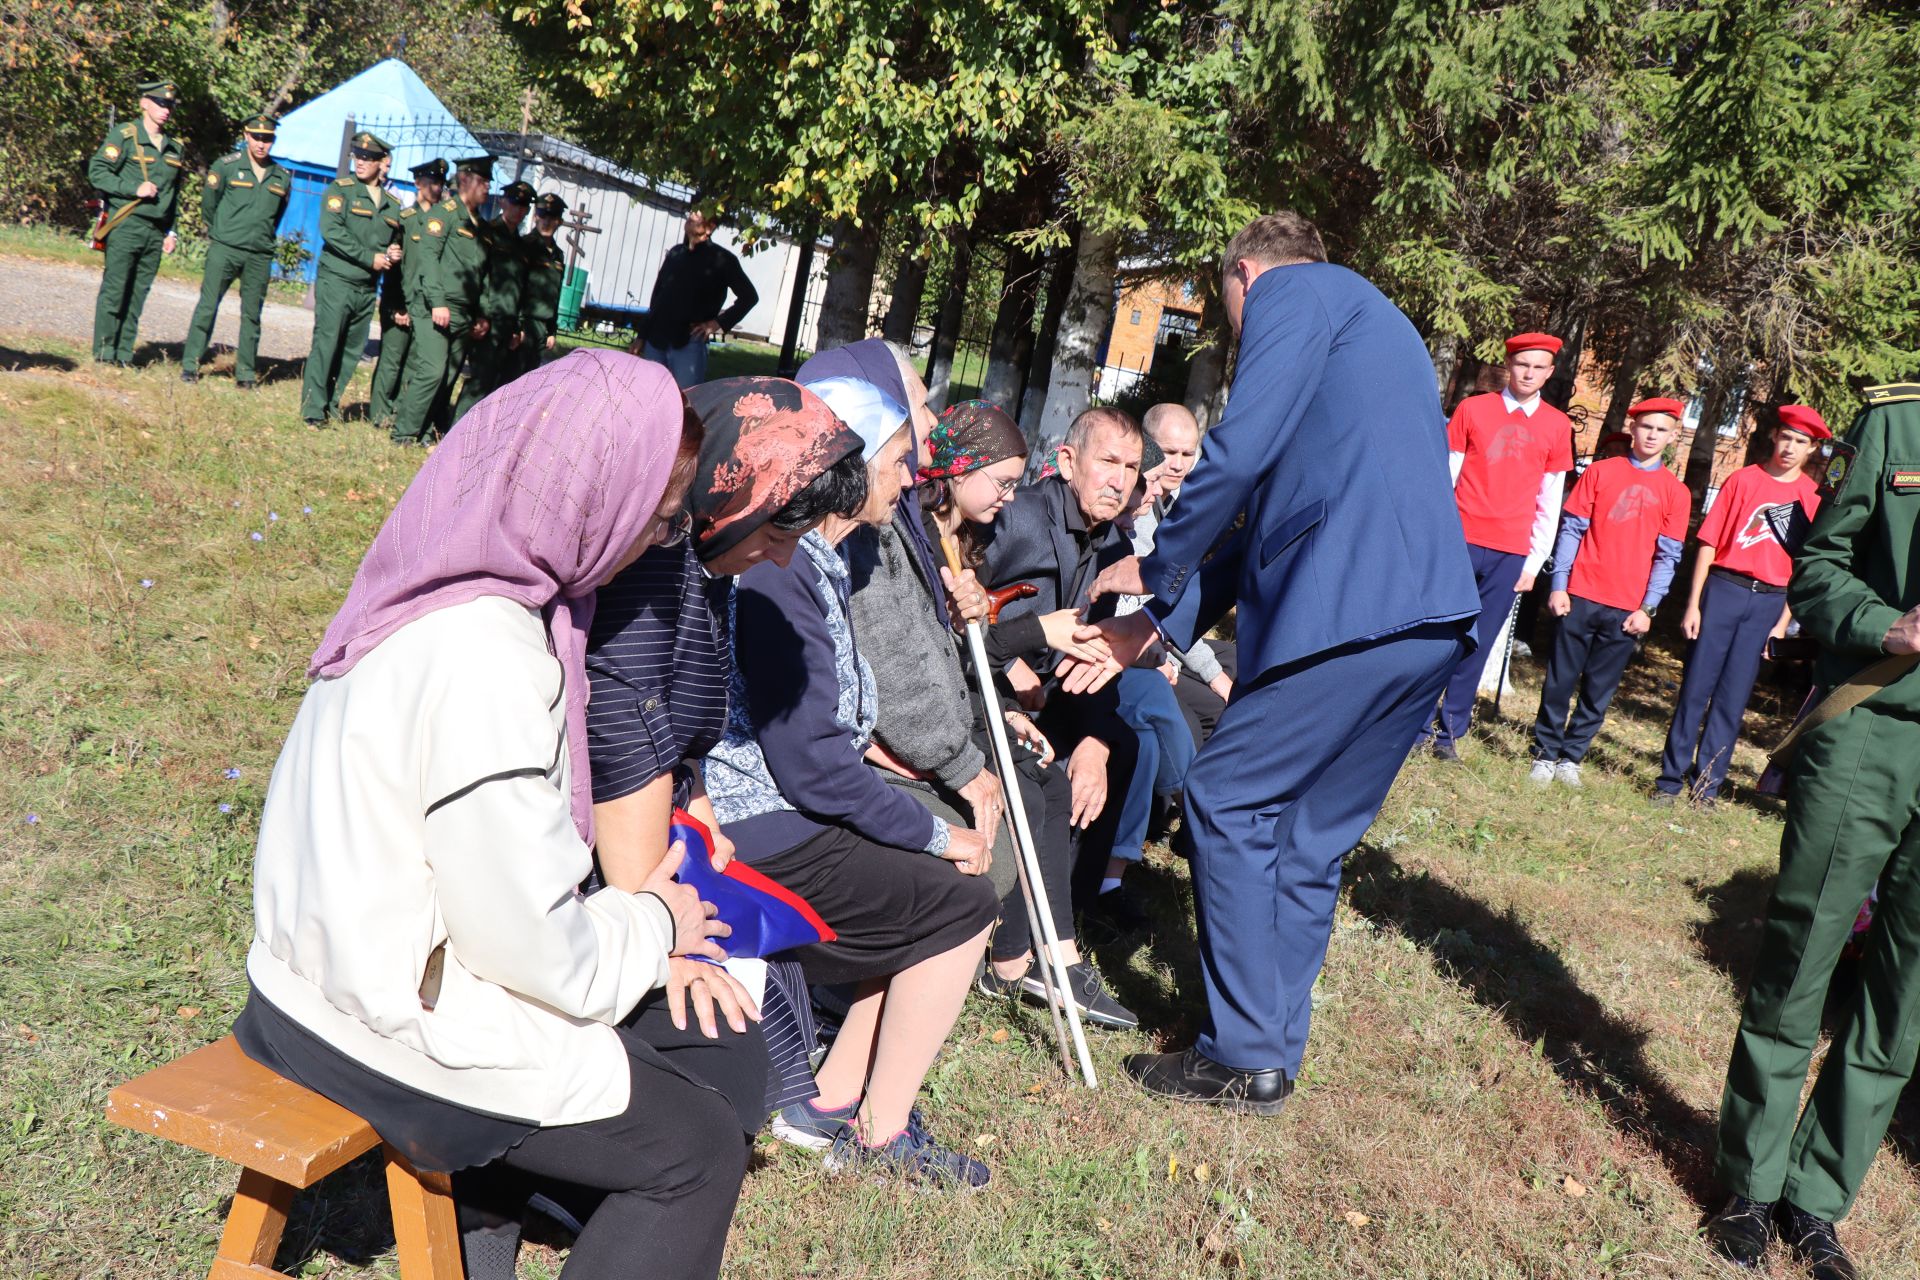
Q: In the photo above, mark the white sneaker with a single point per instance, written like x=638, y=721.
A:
x=1567, y=773
x=1542, y=772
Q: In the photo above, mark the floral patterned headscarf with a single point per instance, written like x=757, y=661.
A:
x=971, y=435
x=767, y=439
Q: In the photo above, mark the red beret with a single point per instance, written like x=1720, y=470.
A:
x=1533, y=342
x=1659, y=404
x=1805, y=419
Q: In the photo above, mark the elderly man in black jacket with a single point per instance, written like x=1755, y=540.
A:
x=1058, y=534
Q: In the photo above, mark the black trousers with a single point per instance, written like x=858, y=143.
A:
x=670, y=1165
x=1200, y=704
x=1590, y=654
x=1048, y=800
x=1067, y=727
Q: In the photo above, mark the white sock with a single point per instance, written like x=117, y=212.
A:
x=1109, y=884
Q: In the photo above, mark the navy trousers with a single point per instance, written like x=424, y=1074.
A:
x=1734, y=622
x=1590, y=654
x=1287, y=785
x=1494, y=573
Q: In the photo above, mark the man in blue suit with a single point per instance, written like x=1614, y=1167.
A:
x=1321, y=508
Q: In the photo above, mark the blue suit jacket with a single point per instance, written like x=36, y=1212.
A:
x=1335, y=449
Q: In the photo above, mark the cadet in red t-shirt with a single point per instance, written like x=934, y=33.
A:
x=1738, y=603
x=1510, y=452
x=1619, y=542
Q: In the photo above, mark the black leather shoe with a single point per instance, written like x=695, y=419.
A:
x=1194, y=1077
x=1443, y=749
x=245, y=386
x=189, y=377
x=1814, y=1244
x=1739, y=1232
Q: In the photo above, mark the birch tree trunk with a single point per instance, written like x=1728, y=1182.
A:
x=1445, y=350
x=1010, y=346
x=1083, y=324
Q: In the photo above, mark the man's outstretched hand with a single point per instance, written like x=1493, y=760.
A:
x=1128, y=638
x=1121, y=578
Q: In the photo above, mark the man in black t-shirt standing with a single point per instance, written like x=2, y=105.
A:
x=685, y=312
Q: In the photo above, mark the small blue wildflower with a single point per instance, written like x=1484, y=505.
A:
x=231, y=775
x=306, y=511
x=225, y=807
x=147, y=583
x=257, y=536
x=33, y=819
x=273, y=515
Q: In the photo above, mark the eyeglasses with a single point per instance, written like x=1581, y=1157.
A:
x=1005, y=486
x=677, y=531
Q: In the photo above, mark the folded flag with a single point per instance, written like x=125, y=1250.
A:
x=766, y=917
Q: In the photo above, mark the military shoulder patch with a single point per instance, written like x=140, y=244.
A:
x=112, y=152
x=128, y=131
x=1906, y=480
x=335, y=202
x=434, y=226
x=408, y=212
x=1893, y=392
x=213, y=179
x=343, y=182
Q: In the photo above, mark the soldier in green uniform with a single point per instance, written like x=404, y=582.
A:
x=399, y=289
x=452, y=272
x=356, y=245
x=1853, y=818
x=137, y=172
x=494, y=360
x=244, y=196
x=546, y=271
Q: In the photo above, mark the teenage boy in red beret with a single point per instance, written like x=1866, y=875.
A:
x=1619, y=544
x=1737, y=604
x=1510, y=452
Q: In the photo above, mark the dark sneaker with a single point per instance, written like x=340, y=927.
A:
x=1443, y=749
x=1814, y=1244
x=913, y=1154
x=1739, y=1232
x=1663, y=799
x=1084, y=985
x=189, y=376
x=246, y=386
x=1116, y=914
x=804, y=1125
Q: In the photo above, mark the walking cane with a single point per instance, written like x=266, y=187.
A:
x=1033, y=886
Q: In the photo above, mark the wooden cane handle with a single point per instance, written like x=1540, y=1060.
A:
x=997, y=600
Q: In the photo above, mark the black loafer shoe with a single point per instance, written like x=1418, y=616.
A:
x=1739, y=1232
x=244, y=386
x=189, y=378
x=1814, y=1244
x=1194, y=1077
x=1443, y=749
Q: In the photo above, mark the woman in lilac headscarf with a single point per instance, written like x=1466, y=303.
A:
x=421, y=955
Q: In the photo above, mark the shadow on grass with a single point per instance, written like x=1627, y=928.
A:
x=1168, y=1010
x=1496, y=959
x=217, y=364
x=13, y=360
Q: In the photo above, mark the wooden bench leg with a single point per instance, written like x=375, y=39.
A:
x=254, y=1225
x=424, y=1227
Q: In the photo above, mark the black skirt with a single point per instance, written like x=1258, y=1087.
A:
x=891, y=908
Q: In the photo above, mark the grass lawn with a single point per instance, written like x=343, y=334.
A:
x=1528, y=1001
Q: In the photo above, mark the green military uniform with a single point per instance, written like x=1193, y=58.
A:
x=495, y=359
x=1853, y=819
x=546, y=265
x=354, y=233
x=138, y=225
x=242, y=206
x=452, y=274
x=398, y=293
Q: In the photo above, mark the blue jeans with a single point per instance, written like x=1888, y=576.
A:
x=687, y=363
x=1148, y=704
x=1494, y=572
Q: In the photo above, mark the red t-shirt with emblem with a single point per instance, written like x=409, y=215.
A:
x=1738, y=530
x=1629, y=510
x=1507, y=456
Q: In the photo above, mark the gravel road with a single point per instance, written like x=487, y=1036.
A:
x=56, y=298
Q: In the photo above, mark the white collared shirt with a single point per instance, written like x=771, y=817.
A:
x=1526, y=406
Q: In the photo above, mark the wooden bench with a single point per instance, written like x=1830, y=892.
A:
x=222, y=1102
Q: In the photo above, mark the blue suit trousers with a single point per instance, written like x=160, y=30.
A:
x=1734, y=623
x=1288, y=784
x=1149, y=704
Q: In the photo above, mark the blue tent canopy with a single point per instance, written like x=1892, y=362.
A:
x=387, y=98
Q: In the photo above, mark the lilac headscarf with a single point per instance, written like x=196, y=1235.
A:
x=536, y=495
